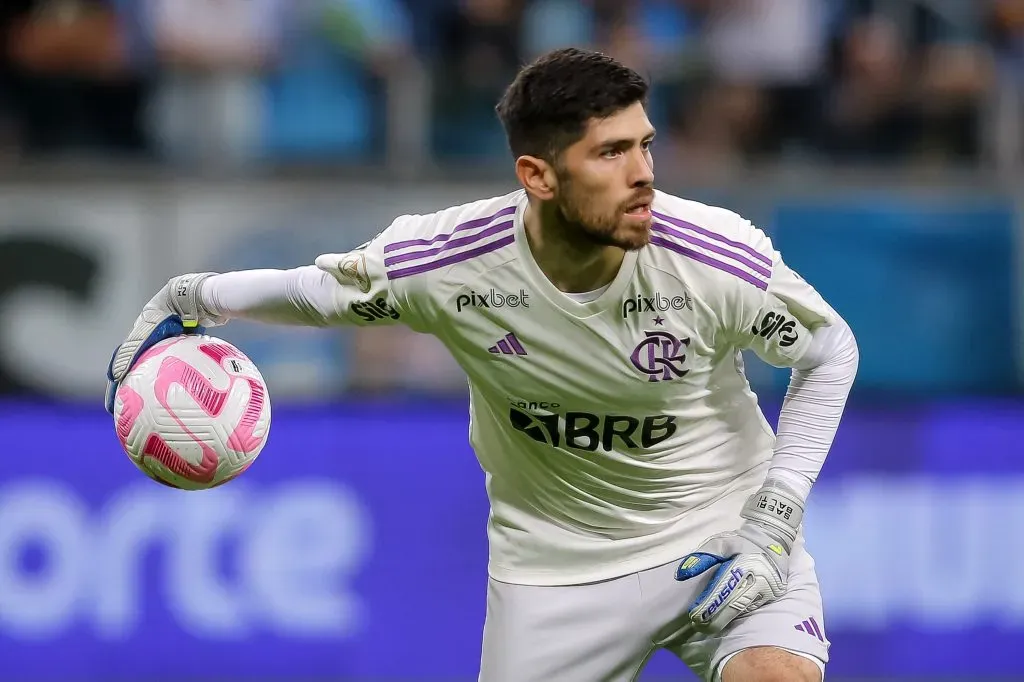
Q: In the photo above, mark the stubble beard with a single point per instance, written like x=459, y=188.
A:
x=587, y=227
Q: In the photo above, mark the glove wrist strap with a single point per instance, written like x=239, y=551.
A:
x=776, y=508
x=185, y=300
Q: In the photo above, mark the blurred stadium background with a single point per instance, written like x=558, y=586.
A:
x=881, y=143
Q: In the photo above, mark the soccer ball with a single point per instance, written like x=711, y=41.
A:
x=193, y=412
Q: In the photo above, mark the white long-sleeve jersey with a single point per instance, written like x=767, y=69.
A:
x=616, y=434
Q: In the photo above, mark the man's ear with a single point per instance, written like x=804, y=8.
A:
x=537, y=177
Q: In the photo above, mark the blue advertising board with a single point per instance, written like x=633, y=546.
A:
x=930, y=287
x=355, y=549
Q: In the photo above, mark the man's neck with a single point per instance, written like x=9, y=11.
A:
x=573, y=265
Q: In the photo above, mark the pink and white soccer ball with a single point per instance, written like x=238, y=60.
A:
x=193, y=412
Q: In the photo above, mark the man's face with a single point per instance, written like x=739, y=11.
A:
x=605, y=181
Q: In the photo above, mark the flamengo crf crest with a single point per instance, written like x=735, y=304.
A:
x=660, y=356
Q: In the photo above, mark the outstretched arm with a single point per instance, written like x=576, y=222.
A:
x=307, y=295
x=342, y=288
x=302, y=296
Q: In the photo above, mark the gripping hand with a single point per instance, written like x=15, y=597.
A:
x=175, y=310
x=749, y=566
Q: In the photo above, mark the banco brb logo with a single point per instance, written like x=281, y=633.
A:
x=660, y=356
x=589, y=432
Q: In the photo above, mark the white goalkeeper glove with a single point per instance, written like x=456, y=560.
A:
x=751, y=564
x=175, y=310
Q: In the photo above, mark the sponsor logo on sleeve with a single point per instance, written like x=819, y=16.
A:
x=775, y=324
x=375, y=311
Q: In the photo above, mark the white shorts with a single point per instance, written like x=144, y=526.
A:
x=607, y=631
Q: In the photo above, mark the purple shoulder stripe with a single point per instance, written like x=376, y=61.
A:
x=468, y=225
x=708, y=260
x=708, y=246
x=712, y=235
x=448, y=246
x=451, y=259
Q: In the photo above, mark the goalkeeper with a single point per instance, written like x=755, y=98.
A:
x=639, y=499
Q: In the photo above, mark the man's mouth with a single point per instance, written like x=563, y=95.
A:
x=639, y=208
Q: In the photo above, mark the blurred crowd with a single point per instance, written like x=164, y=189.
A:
x=201, y=82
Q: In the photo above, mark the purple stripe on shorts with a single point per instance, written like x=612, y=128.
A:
x=707, y=260
x=468, y=225
x=817, y=630
x=711, y=235
x=451, y=259
x=455, y=243
x=665, y=229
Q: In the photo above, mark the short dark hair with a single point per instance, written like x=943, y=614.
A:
x=547, y=107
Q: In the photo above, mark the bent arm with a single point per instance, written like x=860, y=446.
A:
x=813, y=407
x=794, y=327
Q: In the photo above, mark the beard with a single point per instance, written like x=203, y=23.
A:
x=586, y=224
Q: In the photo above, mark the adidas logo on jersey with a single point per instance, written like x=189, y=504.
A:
x=508, y=346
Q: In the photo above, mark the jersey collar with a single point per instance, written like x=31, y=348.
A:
x=612, y=296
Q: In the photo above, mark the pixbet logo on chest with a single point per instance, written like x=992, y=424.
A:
x=492, y=299
x=655, y=304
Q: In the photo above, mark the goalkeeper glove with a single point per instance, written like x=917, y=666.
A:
x=175, y=310
x=751, y=564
